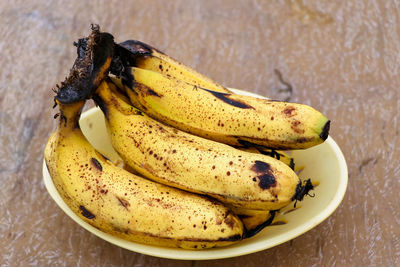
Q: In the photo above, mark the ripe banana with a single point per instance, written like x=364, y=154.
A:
x=167, y=155
x=223, y=117
x=146, y=57
x=128, y=206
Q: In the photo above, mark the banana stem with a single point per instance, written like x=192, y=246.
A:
x=70, y=114
x=302, y=189
x=90, y=67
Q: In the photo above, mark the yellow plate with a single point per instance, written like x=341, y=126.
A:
x=324, y=164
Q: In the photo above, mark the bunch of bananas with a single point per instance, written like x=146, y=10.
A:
x=205, y=170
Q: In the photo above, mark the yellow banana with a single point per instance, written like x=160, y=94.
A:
x=167, y=155
x=224, y=117
x=146, y=57
x=128, y=206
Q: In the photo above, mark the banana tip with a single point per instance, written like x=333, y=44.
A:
x=325, y=130
x=302, y=189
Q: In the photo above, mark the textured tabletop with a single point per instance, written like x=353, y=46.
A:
x=341, y=58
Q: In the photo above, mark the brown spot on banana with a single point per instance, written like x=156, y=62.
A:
x=229, y=219
x=104, y=191
x=295, y=126
x=290, y=111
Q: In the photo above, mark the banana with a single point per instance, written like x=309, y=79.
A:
x=109, y=197
x=146, y=57
x=128, y=206
x=223, y=117
x=176, y=158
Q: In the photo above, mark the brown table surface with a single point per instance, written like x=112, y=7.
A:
x=341, y=58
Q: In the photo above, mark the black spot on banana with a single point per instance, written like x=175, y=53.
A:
x=266, y=177
x=261, y=167
x=225, y=98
